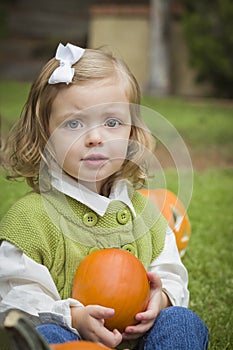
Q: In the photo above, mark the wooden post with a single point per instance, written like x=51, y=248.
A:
x=159, y=57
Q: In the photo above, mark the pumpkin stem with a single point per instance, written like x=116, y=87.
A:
x=19, y=334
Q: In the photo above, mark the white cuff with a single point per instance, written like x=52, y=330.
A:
x=60, y=312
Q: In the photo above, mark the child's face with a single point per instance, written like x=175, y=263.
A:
x=90, y=130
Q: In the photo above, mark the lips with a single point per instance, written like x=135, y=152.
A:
x=95, y=159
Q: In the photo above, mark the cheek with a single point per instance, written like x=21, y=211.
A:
x=69, y=161
x=64, y=148
x=123, y=150
x=118, y=147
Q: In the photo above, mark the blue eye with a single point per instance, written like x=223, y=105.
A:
x=74, y=124
x=113, y=123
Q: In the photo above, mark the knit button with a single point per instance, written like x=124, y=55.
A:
x=93, y=249
x=90, y=219
x=123, y=216
x=130, y=248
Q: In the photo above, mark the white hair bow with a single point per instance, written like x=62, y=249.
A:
x=67, y=55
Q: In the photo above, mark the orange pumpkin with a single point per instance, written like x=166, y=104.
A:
x=116, y=279
x=78, y=345
x=175, y=214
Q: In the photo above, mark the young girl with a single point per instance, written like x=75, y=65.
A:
x=83, y=148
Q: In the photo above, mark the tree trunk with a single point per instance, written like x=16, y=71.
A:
x=159, y=65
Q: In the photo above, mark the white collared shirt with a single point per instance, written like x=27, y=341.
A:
x=69, y=186
x=27, y=285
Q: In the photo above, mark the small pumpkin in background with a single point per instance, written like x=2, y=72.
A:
x=174, y=212
x=79, y=345
x=116, y=279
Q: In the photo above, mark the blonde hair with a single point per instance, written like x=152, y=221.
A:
x=28, y=138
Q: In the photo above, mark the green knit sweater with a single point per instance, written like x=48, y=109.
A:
x=54, y=231
x=58, y=232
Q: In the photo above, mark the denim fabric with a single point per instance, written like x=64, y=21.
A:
x=177, y=328
x=55, y=334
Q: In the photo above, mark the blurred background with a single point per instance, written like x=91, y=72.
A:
x=174, y=47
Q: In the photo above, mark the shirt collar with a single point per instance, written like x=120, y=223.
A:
x=69, y=186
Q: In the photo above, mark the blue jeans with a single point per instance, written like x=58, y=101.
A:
x=55, y=334
x=176, y=328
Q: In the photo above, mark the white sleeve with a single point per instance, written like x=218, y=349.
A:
x=173, y=274
x=28, y=286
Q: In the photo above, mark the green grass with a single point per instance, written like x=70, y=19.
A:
x=13, y=96
x=209, y=254
x=205, y=127
x=10, y=192
x=200, y=123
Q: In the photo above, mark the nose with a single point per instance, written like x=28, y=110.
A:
x=93, y=137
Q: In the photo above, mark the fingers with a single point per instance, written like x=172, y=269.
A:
x=94, y=329
x=99, y=312
x=147, y=318
x=146, y=321
x=108, y=338
x=136, y=332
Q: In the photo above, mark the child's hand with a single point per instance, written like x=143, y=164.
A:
x=89, y=321
x=158, y=301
